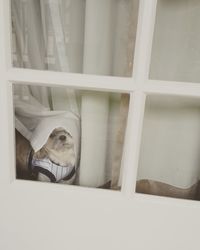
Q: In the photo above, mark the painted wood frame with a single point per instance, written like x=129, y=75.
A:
x=113, y=220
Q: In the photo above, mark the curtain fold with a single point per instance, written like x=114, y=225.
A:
x=94, y=117
x=81, y=36
x=174, y=158
x=170, y=142
x=97, y=59
x=56, y=24
x=29, y=44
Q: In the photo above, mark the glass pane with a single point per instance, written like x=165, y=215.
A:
x=169, y=157
x=81, y=36
x=176, y=44
x=69, y=136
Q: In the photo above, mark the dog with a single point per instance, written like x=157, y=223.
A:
x=55, y=161
x=23, y=156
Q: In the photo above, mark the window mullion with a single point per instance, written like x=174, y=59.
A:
x=146, y=21
x=6, y=116
x=144, y=38
x=7, y=33
x=132, y=141
x=103, y=83
x=172, y=88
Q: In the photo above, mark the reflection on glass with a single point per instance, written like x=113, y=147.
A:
x=69, y=136
x=169, y=157
x=176, y=44
x=82, y=36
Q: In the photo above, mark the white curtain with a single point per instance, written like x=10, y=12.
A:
x=170, y=143
x=82, y=36
x=176, y=49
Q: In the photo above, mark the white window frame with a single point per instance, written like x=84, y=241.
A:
x=96, y=218
x=139, y=86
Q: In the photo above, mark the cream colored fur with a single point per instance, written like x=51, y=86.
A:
x=59, y=151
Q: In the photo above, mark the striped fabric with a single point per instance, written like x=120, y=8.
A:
x=57, y=171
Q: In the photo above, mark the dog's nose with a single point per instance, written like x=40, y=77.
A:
x=62, y=137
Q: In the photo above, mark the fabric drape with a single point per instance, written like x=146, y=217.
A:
x=82, y=36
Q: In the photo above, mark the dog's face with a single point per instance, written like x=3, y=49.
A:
x=59, y=148
x=59, y=140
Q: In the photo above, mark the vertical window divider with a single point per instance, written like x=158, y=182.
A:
x=132, y=142
x=7, y=34
x=144, y=39
x=5, y=60
x=130, y=160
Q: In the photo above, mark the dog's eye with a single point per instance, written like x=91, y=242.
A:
x=62, y=137
x=68, y=134
x=52, y=135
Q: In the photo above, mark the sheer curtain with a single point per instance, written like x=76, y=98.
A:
x=82, y=36
x=170, y=144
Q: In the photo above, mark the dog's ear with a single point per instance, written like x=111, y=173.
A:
x=41, y=154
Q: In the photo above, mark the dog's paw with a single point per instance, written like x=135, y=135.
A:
x=42, y=177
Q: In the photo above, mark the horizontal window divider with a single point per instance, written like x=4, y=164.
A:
x=35, y=186
x=171, y=88
x=80, y=81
